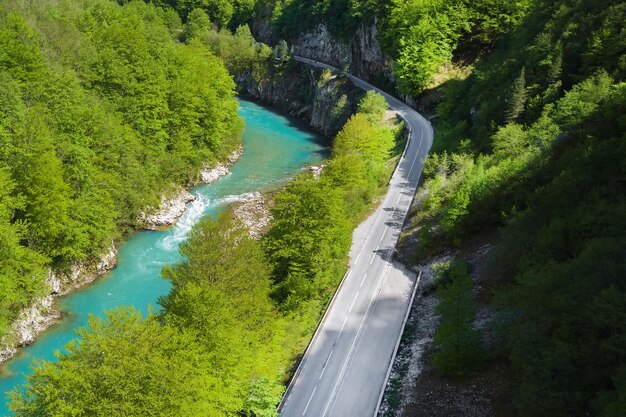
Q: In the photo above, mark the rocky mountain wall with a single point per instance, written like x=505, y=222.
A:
x=363, y=55
x=323, y=101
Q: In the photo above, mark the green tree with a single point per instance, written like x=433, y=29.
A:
x=221, y=293
x=374, y=106
x=124, y=365
x=517, y=100
x=460, y=350
x=308, y=240
x=198, y=23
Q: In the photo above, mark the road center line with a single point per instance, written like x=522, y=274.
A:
x=363, y=280
x=384, y=233
x=324, y=367
x=353, y=301
x=374, y=255
x=309, y=402
x=339, y=333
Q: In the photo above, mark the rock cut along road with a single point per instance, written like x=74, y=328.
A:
x=345, y=368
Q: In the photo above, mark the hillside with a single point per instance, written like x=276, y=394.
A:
x=519, y=226
x=528, y=158
x=101, y=112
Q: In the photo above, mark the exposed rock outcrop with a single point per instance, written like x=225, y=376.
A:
x=42, y=313
x=209, y=174
x=321, y=100
x=254, y=213
x=362, y=55
x=170, y=209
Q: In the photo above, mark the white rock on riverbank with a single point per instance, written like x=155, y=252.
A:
x=208, y=174
x=41, y=314
x=254, y=213
x=170, y=209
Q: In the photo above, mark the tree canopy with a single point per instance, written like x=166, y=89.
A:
x=102, y=111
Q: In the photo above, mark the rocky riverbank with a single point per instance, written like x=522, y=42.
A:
x=254, y=213
x=170, y=209
x=42, y=314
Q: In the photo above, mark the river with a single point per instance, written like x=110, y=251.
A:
x=275, y=149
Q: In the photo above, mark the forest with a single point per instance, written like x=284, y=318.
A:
x=240, y=310
x=101, y=112
x=529, y=150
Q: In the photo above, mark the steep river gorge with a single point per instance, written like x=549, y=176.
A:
x=275, y=149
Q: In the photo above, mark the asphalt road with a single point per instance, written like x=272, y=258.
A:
x=344, y=370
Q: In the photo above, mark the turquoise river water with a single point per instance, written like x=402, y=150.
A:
x=275, y=149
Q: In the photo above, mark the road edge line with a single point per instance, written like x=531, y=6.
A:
x=311, y=342
x=395, y=351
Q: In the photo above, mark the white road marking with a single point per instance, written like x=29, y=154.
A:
x=364, y=321
x=384, y=233
x=339, y=333
x=325, y=364
x=359, y=255
x=363, y=280
x=356, y=337
x=374, y=256
x=353, y=301
x=308, y=403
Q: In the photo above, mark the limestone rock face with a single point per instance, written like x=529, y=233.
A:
x=324, y=103
x=363, y=55
x=319, y=44
x=42, y=314
x=168, y=211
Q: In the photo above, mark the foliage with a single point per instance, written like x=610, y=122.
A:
x=101, y=112
x=460, y=351
x=123, y=365
x=221, y=293
x=532, y=144
x=313, y=218
x=223, y=13
x=22, y=269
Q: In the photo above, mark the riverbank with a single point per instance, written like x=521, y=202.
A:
x=276, y=150
x=42, y=314
x=171, y=208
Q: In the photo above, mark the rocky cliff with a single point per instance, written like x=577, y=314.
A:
x=322, y=100
x=362, y=55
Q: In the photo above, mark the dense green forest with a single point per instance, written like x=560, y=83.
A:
x=529, y=153
x=240, y=310
x=531, y=145
x=101, y=111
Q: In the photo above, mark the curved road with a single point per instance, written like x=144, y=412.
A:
x=344, y=370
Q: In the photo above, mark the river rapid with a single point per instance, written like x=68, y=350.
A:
x=275, y=149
